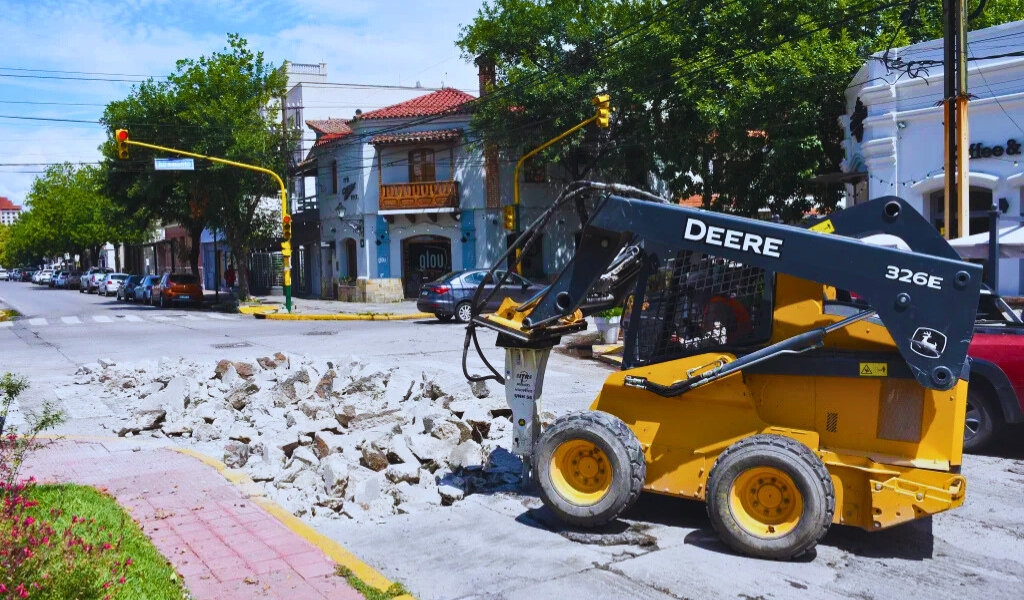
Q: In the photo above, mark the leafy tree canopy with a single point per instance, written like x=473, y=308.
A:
x=736, y=102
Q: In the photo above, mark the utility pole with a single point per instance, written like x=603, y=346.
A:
x=957, y=210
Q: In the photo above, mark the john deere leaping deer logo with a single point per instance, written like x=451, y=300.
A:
x=928, y=343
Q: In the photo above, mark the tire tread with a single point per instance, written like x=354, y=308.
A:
x=798, y=450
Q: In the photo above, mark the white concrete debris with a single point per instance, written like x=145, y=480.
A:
x=328, y=438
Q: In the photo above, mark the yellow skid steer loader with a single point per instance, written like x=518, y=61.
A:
x=790, y=378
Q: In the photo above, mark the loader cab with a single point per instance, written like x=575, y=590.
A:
x=695, y=303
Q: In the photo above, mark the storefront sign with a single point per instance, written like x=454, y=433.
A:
x=979, y=150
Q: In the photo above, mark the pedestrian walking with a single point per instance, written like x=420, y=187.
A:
x=229, y=277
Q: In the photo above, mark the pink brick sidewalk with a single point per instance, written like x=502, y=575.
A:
x=223, y=545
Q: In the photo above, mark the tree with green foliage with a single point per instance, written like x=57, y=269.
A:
x=736, y=102
x=68, y=214
x=223, y=105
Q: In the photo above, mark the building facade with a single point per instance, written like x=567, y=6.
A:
x=895, y=133
x=9, y=211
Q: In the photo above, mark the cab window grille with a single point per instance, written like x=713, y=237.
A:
x=696, y=303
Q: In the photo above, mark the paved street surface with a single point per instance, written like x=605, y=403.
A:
x=505, y=546
x=223, y=545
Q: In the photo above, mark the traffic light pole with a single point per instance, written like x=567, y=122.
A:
x=286, y=245
x=601, y=117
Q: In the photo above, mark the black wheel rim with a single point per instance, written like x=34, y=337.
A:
x=972, y=424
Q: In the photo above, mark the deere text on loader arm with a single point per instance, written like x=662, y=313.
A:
x=750, y=378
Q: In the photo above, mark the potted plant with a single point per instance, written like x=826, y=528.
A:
x=607, y=322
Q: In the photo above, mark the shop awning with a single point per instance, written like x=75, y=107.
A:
x=1011, y=243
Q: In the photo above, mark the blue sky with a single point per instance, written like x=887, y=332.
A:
x=362, y=41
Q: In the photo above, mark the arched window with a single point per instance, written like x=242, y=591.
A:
x=421, y=165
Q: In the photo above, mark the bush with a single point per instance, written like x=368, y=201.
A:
x=610, y=312
x=39, y=560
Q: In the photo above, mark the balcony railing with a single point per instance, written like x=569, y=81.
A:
x=306, y=209
x=433, y=194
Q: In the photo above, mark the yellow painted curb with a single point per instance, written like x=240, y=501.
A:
x=258, y=310
x=332, y=549
x=344, y=317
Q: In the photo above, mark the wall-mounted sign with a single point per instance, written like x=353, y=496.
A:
x=979, y=150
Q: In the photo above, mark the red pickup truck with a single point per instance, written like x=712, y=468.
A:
x=995, y=396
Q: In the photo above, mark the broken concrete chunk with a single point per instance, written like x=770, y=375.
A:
x=367, y=491
x=450, y=494
x=466, y=454
x=400, y=452
x=479, y=389
x=106, y=363
x=236, y=454
x=240, y=396
x=375, y=453
x=334, y=469
x=325, y=443
x=326, y=384
x=305, y=455
x=409, y=473
x=345, y=414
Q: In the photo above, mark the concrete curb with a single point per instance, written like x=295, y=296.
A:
x=257, y=310
x=239, y=479
x=343, y=317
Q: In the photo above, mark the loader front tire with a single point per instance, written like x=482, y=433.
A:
x=771, y=497
x=589, y=468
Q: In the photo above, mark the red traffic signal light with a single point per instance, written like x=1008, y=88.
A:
x=121, y=137
x=286, y=228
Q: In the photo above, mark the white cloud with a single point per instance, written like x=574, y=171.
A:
x=365, y=41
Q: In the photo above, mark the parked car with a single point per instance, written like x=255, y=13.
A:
x=995, y=395
x=109, y=284
x=4, y=275
x=450, y=295
x=74, y=279
x=144, y=291
x=177, y=288
x=45, y=277
x=126, y=291
x=61, y=280
x=26, y=276
x=14, y=275
x=90, y=281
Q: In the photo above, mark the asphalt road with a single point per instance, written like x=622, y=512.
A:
x=505, y=545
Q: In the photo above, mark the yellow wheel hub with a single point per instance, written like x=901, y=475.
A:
x=765, y=502
x=580, y=472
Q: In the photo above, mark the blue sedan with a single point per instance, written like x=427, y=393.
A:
x=450, y=296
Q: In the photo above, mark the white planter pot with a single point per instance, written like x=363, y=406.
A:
x=608, y=327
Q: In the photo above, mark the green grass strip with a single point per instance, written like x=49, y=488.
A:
x=150, y=577
x=368, y=591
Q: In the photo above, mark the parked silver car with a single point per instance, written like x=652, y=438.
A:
x=108, y=286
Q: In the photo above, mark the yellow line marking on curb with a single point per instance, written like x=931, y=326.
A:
x=344, y=317
x=256, y=310
x=332, y=549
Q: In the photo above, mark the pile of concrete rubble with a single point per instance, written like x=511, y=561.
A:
x=324, y=437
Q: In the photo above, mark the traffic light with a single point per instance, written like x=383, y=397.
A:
x=121, y=137
x=286, y=228
x=602, y=103
x=511, y=217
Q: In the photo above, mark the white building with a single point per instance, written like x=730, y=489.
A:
x=9, y=211
x=900, y=150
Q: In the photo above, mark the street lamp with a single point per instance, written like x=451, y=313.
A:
x=340, y=210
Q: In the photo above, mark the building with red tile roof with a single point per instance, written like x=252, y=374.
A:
x=446, y=101
x=9, y=211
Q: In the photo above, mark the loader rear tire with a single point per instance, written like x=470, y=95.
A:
x=770, y=497
x=589, y=468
